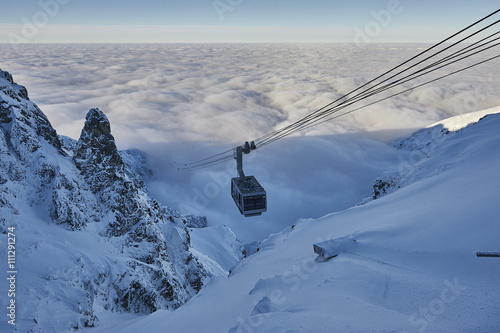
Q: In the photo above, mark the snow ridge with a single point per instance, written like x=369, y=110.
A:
x=419, y=147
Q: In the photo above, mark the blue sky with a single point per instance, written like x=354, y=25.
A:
x=236, y=20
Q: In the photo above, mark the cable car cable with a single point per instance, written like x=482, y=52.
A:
x=412, y=76
x=297, y=126
x=404, y=91
x=202, y=162
x=292, y=128
x=387, y=72
x=326, y=113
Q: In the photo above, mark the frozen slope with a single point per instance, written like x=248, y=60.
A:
x=413, y=267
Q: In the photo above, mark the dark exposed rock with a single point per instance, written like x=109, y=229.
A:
x=45, y=129
x=96, y=155
x=193, y=221
x=100, y=164
x=12, y=89
x=138, y=218
x=383, y=186
x=5, y=112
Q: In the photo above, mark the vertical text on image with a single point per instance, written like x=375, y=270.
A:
x=12, y=275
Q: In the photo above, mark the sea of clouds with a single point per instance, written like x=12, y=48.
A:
x=184, y=102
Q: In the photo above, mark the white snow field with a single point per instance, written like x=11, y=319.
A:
x=406, y=262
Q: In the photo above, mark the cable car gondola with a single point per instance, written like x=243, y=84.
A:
x=248, y=195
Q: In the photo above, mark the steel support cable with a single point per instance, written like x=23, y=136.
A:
x=473, y=46
x=265, y=137
x=404, y=91
x=413, y=75
x=295, y=126
x=318, y=116
x=290, y=129
x=446, y=61
x=192, y=164
x=335, y=110
x=318, y=121
x=368, y=91
x=210, y=162
x=467, y=49
x=206, y=162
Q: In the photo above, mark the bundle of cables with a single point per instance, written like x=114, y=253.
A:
x=477, y=38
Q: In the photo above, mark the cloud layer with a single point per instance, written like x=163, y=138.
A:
x=182, y=102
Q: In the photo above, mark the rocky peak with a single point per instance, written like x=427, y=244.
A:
x=96, y=154
x=98, y=125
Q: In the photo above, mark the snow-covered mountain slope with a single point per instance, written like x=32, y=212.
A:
x=406, y=261
x=88, y=238
x=416, y=149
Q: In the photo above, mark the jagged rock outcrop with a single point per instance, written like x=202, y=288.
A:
x=96, y=155
x=86, y=187
x=100, y=164
x=138, y=217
